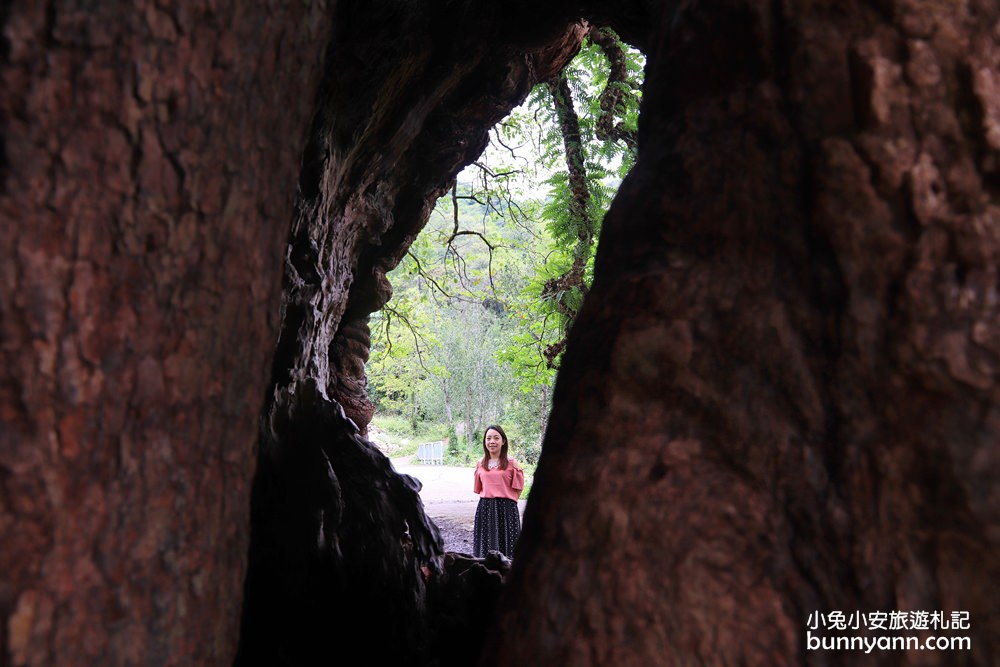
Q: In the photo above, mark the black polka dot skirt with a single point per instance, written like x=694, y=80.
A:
x=497, y=527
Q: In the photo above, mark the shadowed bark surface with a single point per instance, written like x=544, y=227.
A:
x=147, y=169
x=780, y=396
x=341, y=549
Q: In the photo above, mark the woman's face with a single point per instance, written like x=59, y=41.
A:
x=494, y=441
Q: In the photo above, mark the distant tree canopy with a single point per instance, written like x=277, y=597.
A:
x=485, y=297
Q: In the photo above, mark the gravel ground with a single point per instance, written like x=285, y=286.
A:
x=456, y=536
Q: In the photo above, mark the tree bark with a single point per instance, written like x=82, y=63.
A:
x=571, y=287
x=148, y=157
x=338, y=539
x=786, y=372
x=780, y=396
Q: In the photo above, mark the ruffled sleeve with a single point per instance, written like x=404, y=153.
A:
x=517, y=483
x=477, y=485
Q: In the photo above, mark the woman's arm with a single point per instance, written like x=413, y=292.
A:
x=477, y=485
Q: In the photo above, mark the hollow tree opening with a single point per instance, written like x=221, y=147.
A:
x=484, y=296
x=338, y=538
x=785, y=375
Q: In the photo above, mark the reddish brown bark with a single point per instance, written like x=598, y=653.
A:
x=149, y=156
x=406, y=103
x=781, y=395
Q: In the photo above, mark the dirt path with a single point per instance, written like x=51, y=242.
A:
x=448, y=499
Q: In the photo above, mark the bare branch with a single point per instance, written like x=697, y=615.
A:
x=454, y=207
x=495, y=174
x=510, y=150
x=417, y=338
x=426, y=276
x=466, y=232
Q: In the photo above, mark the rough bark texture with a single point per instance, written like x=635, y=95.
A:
x=338, y=538
x=148, y=158
x=781, y=395
x=616, y=89
x=561, y=288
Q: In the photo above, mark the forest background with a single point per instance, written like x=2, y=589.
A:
x=486, y=295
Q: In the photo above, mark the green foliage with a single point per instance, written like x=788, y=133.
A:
x=476, y=302
x=454, y=446
x=401, y=436
x=529, y=475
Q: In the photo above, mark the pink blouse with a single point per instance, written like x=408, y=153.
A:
x=499, y=483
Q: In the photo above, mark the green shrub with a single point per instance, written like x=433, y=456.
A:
x=394, y=425
x=454, y=446
x=458, y=459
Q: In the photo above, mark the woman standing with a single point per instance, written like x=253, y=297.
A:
x=499, y=482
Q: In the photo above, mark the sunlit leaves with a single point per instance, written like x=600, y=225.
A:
x=483, y=294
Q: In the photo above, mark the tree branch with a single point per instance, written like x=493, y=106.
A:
x=618, y=86
x=569, y=126
x=560, y=288
x=426, y=276
x=413, y=332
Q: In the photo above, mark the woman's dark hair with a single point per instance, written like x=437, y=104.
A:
x=503, y=449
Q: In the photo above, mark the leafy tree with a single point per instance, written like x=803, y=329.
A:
x=486, y=295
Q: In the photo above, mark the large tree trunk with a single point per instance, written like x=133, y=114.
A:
x=779, y=398
x=148, y=158
x=782, y=394
x=341, y=550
